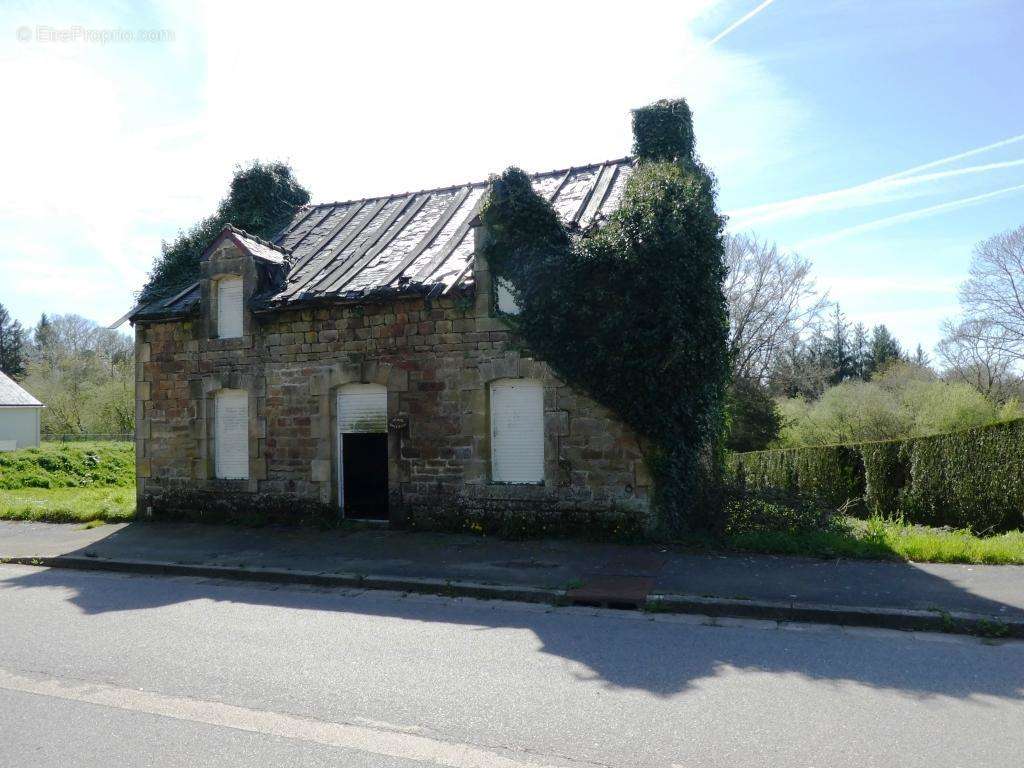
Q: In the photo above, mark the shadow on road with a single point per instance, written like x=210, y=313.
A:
x=660, y=657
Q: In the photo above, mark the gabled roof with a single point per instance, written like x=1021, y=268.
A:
x=353, y=248
x=13, y=395
x=414, y=242
x=258, y=247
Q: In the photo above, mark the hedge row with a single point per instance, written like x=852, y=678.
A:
x=971, y=479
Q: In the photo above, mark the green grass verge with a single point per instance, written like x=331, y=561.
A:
x=879, y=539
x=69, y=465
x=68, y=505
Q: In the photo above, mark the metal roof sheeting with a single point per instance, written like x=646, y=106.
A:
x=349, y=249
x=412, y=242
x=13, y=395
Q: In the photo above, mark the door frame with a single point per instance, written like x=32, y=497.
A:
x=340, y=442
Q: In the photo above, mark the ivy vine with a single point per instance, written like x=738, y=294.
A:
x=632, y=313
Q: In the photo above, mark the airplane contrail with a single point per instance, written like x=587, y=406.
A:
x=856, y=195
x=953, y=158
x=738, y=23
x=900, y=218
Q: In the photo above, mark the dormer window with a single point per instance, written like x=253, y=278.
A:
x=229, y=307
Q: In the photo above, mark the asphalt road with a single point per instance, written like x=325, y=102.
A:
x=101, y=669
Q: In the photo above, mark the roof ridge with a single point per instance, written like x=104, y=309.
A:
x=538, y=174
x=239, y=231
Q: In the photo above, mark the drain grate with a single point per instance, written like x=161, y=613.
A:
x=626, y=593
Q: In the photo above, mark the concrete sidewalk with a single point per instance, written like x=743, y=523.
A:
x=900, y=595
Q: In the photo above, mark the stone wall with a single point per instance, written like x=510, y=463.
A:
x=436, y=359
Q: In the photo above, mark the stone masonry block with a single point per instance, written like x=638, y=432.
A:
x=320, y=471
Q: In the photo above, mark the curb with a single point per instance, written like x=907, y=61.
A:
x=819, y=613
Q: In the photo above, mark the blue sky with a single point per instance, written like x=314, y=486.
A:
x=816, y=117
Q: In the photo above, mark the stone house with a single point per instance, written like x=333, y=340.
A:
x=362, y=362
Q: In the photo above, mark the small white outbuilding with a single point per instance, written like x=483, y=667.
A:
x=19, y=416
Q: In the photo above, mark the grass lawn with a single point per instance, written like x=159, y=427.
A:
x=68, y=482
x=878, y=539
x=68, y=505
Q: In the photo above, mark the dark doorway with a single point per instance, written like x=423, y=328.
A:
x=365, y=475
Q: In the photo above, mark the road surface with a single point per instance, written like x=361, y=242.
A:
x=100, y=669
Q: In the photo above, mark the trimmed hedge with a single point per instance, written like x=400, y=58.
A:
x=970, y=479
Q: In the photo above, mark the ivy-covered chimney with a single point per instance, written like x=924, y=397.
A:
x=663, y=131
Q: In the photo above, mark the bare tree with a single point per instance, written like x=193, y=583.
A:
x=975, y=352
x=772, y=300
x=993, y=296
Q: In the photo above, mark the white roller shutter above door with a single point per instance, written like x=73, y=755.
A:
x=229, y=307
x=517, y=431
x=231, y=435
x=362, y=408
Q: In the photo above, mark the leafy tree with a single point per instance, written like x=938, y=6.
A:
x=921, y=358
x=800, y=369
x=860, y=352
x=84, y=374
x=754, y=418
x=261, y=200
x=884, y=349
x=12, y=342
x=632, y=313
x=836, y=348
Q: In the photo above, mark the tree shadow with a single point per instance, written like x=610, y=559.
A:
x=661, y=655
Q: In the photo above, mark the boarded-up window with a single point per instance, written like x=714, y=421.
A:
x=362, y=408
x=231, y=434
x=517, y=431
x=506, y=301
x=229, y=307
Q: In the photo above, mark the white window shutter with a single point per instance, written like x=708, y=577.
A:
x=517, y=431
x=506, y=301
x=231, y=434
x=362, y=408
x=229, y=307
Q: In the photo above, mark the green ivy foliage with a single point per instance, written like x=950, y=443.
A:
x=631, y=313
x=262, y=199
x=967, y=479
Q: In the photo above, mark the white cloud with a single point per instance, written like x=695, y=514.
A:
x=124, y=144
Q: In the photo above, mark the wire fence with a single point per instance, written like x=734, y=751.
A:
x=85, y=437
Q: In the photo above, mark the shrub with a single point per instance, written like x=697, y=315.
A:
x=68, y=465
x=832, y=474
x=969, y=479
x=749, y=512
x=754, y=418
x=902, y=401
